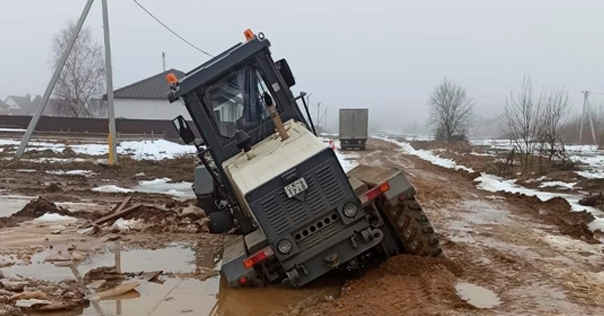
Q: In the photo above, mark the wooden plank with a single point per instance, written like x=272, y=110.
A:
x=121, y=206
x=115, y=216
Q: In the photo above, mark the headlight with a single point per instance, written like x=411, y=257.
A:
x=350, y=210
x=284, y=246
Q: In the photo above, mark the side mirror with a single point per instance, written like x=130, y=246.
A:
x=285, y=72
x=183, y=129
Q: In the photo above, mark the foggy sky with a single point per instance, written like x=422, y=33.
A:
x=385, y=55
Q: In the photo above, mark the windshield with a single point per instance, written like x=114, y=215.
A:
x=236, y=101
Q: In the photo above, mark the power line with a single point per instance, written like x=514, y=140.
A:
x=171, y=31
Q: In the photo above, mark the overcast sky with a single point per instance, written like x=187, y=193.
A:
x=385, y=55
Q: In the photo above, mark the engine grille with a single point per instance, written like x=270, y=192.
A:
x=325, y=191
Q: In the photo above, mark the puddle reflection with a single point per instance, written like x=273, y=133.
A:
x=177, y=294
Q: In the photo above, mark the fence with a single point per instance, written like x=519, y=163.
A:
x=71, y=125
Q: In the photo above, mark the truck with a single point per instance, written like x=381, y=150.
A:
x=292, y=213
x=354, y=126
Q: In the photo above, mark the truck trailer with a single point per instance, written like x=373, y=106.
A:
x=354, y=127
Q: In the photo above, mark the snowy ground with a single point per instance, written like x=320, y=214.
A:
x=139, y=150
x=161, y=186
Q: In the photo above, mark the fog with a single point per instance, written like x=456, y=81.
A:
x=384, y=55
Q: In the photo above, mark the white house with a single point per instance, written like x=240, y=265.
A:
x=147, y=99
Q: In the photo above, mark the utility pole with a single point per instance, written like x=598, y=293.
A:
x=586, y=113
x=318, y=111
x=163, y=58
x=53, y=81
x=109, y=73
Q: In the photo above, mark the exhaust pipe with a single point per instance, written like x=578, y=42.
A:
x=272, y=110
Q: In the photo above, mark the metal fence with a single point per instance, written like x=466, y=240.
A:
x=92, y=127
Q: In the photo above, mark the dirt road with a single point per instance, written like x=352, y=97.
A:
x=501, y=255
x=504, y=254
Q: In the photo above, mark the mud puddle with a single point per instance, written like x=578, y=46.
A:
x=476, y=295
x=190, y=284
x=171, y=259
x=10, y=204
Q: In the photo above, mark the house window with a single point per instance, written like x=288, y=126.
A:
x=217, y=115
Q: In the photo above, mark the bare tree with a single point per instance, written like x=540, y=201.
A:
x=520, y=122
x=451, y=111
x=553, y=122
x=83, y=77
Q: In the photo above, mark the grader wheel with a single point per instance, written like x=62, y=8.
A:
x=413, y=228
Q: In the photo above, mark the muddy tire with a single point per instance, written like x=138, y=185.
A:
x=220, y=222
x=413, y=229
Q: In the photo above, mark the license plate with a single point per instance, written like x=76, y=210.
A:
x=295, y=187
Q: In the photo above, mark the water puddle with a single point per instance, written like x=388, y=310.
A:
x=181, y=190
x=477, y=295
x=184, y=291
x=10, y=204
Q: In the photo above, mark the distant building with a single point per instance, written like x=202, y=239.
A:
x=147, y=99
x=4, y=108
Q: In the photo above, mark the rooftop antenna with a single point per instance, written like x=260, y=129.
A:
x=163, y=58
x=587, y=113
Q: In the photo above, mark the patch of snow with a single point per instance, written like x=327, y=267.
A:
x=26, y=170
x=71, y=172
x=558, y=184
x=154, y=181
x=428, y=156
x=593, y=174
x=536, y=180
x=3, y=129
x=581, y=148
x=53, y=217
x=124, y=225
x=482, y=154
x=149, y=150
x=111, y=189
x=156, y=150
x=493, y=183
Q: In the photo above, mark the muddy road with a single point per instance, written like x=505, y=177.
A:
x=504, y=254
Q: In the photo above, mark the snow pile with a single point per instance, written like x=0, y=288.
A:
x=71, y=172
x=565, y=185
x=54, y=217
x=124, y=225
x=160, y=186
x=157, y=150
x=111, y=189
x=591, y=174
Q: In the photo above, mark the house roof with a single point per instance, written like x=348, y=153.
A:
x=22, y=102
x=154, y=87
x=4, y=105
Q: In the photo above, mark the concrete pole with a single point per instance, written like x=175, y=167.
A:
x=53, y=81
x=109, y=73
x=585, y=93
x=591, y=123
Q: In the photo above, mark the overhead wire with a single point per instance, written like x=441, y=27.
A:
x=171, y=31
